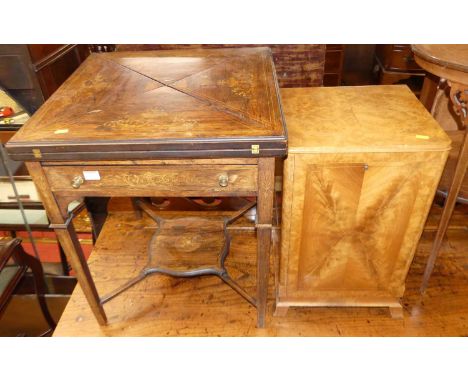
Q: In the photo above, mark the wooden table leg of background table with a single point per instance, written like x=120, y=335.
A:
x=68, y=240
x=429, y=90
x=266, y=185
x=457, y=181
x=459, y=97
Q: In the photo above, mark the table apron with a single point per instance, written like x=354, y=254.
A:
x=155, y=181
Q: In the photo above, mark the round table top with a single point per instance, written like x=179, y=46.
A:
x=451, y=56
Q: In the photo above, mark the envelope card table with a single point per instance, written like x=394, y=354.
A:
x=193, y=123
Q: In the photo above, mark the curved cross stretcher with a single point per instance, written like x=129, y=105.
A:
x=188, y=247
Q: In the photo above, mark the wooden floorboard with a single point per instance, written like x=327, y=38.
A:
x=205, y=306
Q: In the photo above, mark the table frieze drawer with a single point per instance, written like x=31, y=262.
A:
x=193, y=180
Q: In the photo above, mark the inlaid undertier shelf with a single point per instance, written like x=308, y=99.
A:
x=188, y=246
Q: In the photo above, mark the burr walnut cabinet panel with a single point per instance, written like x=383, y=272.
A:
x=362, y=168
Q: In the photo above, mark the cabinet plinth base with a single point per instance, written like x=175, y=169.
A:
x=394, y=306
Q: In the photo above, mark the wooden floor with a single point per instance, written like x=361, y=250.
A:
x=205, y=306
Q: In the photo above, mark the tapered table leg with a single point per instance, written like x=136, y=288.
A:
x=266, y=185
x=68, y=240
x=454, y=189
x=459, y=97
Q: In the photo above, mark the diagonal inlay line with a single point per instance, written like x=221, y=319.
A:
x=218, y=106
x=259, y=121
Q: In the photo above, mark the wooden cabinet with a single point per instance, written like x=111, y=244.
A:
x=362, y=169
x=31, y=73
x=395, y=64
x=333, y=68
x=397, y=58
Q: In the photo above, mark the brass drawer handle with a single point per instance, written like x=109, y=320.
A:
x=409, y=58
x=223, y=180
x=77, y=181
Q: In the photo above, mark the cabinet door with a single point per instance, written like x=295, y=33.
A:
x=354, y=226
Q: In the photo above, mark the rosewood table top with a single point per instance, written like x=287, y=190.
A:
x=451, y=56
x=446, y=61
x=160, y=104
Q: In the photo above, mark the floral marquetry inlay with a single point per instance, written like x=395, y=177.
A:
x=240, y=85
